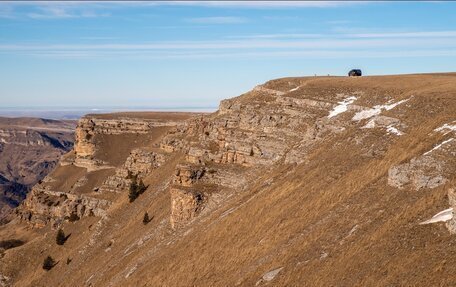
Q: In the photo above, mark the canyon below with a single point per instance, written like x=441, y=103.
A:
x=303, y=181
x=29, y=149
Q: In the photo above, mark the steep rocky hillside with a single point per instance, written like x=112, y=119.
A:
x=29, y=149
x=319, y=181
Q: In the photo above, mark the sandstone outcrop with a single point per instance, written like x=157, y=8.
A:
x=85, y=132
x=141, y=162
x=187, y=175
x=185, y=205
x=429, y=170
x=275, y=126
x=90, y=127
x=138, y=164
x=424, y=172
x=44, y=205
x=253, y=135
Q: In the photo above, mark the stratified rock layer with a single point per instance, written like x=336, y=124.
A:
x=46, y=204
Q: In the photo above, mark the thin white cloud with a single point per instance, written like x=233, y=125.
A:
x=92, y=9
x=278, y=36
x=437, y=43
x=422, y=34
x=52, y=10
x=258, y=44
x=309, y=54
x=215, y=4
x=263, y=4
x=62, y=12
x=431, y=34
x=217, y=20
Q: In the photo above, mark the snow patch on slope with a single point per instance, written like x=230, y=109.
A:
x=376, y=110
x=439, y=146
x=294, y=89
x=447, y=128
x=342, y=107
x=370, y=125
x=442, y=216
x=393, y=130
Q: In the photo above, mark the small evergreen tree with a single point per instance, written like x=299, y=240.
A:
x=133, y=194
x=141, y=187
x=60, y=238
x=73, y=217
x=146, y=218
x=48, y=263
x=136, y=188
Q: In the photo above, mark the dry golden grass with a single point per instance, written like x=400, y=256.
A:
x=333, y=221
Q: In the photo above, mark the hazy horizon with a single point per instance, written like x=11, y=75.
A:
x=74, y=113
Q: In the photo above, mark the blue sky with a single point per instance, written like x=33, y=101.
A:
x=193, y=54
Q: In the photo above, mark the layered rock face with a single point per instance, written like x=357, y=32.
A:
x=138, y=164
x=185, y=205
x=85, y=146
x=272, y=128
x=51, y=202
x=46, y=206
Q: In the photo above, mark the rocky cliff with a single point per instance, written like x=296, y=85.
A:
x=299, y=182
x=51, y=202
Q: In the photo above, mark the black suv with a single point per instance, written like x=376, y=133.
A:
x=355, y=73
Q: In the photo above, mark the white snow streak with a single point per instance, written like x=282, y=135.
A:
x=376, y=110
x=294, y=89
x=438, y=146
x=390, y=129
x=442, y=216
x=393, y=130
x=370, y=125
x=342, y=107
x=446, y=128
